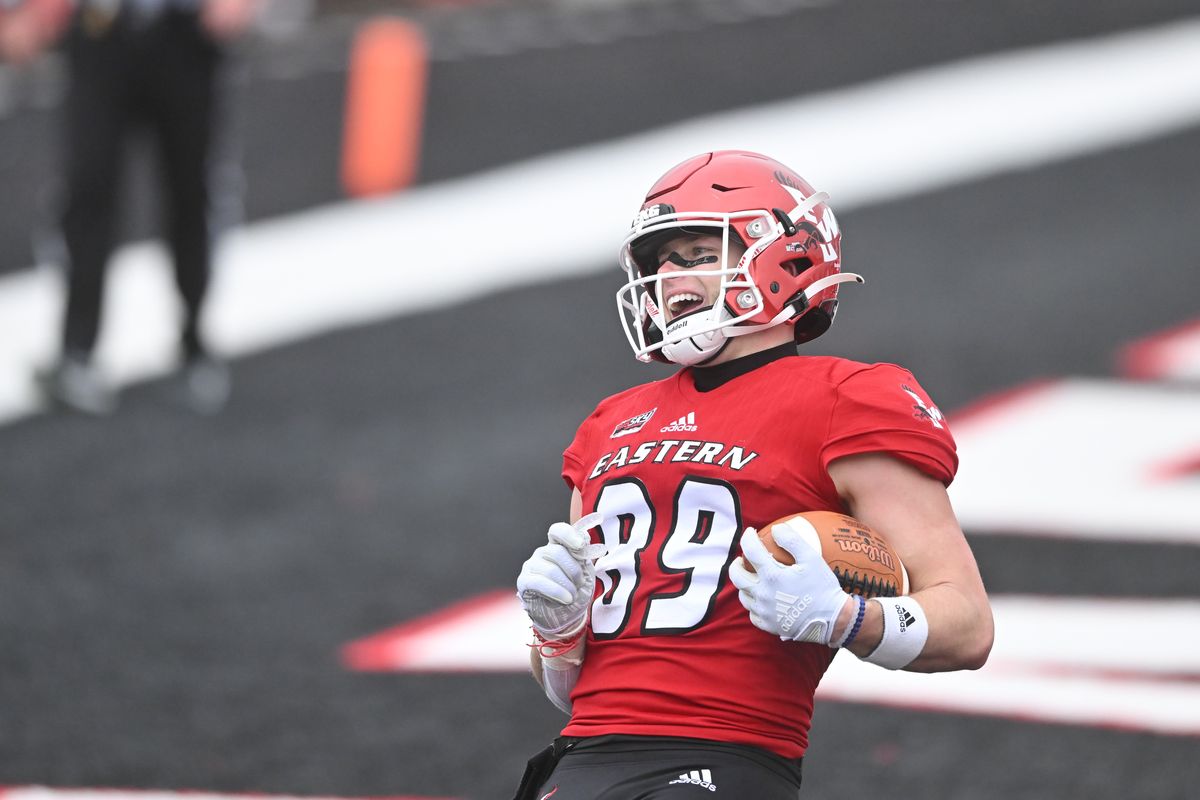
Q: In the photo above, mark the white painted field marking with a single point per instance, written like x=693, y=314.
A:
x=564, y=214
x=1067, y=672
x=1171, y=355
x=1082, y=459
x=1054, y=661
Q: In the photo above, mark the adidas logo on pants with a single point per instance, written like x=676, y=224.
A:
x=700, y=777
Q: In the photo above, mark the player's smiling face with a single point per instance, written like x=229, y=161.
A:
x=679, y=258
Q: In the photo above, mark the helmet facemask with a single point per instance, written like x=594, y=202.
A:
x=700, y=334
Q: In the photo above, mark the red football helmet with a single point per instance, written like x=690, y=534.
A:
x=789, y=273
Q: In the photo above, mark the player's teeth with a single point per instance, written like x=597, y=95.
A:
x=680, y=299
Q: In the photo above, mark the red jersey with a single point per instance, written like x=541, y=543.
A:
x=678, y=475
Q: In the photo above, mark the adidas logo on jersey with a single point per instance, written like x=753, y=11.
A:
x=685, y=423
x=699, y=777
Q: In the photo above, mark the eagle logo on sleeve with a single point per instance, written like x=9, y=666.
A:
x=923, y=411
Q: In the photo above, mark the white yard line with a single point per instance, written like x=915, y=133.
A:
x=1084, y=459
x=1075, y=676
x=1171, y=355
x=561, y=215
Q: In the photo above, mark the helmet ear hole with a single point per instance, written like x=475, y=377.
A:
x=797, y=265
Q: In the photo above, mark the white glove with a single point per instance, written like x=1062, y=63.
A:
x=558, y=581
x=799, y=602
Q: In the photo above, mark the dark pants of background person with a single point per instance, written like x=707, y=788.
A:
x=159, y=74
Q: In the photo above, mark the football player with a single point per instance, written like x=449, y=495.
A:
x=680, y=667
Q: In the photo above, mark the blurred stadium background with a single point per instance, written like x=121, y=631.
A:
x=1019, y=184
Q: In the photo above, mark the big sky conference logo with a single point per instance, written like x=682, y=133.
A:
x=633, y=424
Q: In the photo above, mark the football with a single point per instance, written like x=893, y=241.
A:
x=865, y=564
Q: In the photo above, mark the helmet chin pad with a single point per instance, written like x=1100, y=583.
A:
x=697, y=349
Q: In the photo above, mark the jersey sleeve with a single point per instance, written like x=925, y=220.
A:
x=882, y=409
x=574, y=470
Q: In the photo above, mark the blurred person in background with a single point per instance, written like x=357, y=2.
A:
x=133, y=65
x=686, y=670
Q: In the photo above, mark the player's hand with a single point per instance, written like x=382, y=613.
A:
x=558, y=581
x=797, y=602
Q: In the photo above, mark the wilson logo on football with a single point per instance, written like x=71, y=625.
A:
x=872, y=552
x=686, y=423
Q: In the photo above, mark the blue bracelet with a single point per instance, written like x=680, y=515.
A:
x=862, y=612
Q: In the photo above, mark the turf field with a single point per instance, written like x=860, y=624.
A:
x=176, y=591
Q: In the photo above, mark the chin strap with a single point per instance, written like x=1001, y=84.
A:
x=789, y=312
x=702, y=347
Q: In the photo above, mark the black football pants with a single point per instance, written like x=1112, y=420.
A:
x=650, y=768
x=159, y=76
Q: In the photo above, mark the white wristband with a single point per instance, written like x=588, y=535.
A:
x=905, y=630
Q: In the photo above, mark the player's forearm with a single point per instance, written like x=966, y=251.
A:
x=535, y=667
x=555, y=679
x=960, y=630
